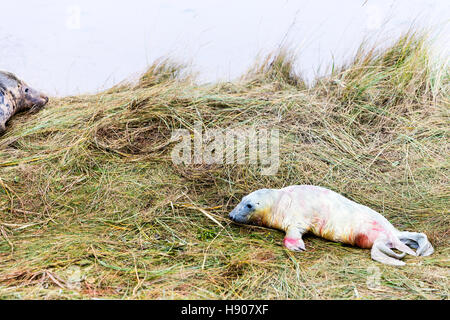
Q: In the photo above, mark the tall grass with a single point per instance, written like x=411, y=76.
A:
x=92, y=205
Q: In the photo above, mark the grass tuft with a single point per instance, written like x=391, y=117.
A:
x=276, y=69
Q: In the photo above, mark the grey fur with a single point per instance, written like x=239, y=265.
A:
x=16, y=96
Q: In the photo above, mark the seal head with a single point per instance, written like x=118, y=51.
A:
x=24, y=96
x=254, y=207
x=16, y=96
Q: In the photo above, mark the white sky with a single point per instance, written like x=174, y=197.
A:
x=77, y=46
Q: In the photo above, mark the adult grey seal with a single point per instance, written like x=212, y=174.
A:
x=327, y=214
x=16, y=96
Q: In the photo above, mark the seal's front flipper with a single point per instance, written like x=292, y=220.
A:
x=294, y=244
x=417, y=241
x=293, y=239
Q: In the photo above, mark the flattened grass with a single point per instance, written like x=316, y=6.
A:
x=92, y=205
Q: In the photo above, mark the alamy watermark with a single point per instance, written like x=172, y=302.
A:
x=244, y=146
x=374, y=17
x=373, y=280
x=73, y=20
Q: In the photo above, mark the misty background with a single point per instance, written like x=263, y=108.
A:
x=82, y=46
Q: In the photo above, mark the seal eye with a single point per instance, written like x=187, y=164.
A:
x=249, y=206
x=26, y=90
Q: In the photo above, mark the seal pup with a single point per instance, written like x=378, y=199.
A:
x=16, y=96
x=327, y=214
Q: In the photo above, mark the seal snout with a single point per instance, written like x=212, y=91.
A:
x=43, y=100
x=17, y=96
x=232, y=214
x=236, y=215
x=242, y=212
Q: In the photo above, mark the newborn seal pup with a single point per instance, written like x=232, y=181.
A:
x=300, y=209
x=16, y=96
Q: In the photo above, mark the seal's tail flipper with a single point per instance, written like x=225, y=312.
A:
x=417, y=241
x=381, y=251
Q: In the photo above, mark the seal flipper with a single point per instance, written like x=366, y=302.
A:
x=381, y=251
x=417, y=241
x=380, y=254
x=293, y=239
x=397, y=244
